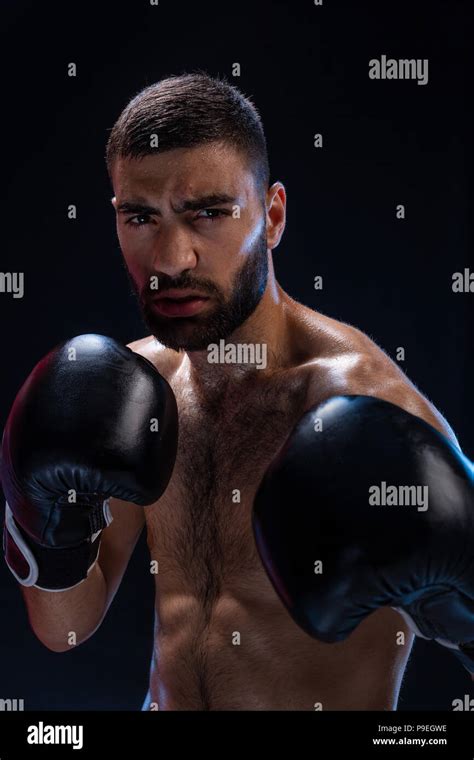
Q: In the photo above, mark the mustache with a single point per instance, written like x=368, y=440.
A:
x=184, y=282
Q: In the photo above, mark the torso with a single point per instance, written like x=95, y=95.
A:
x=223, y=640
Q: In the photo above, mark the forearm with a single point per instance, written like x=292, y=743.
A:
x=63, y=619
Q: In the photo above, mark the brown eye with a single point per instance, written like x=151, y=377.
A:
x=133, y=221
x=217, y=211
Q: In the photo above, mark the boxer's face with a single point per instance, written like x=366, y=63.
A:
x=173, y=231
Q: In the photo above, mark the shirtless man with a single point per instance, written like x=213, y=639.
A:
x=194, y=217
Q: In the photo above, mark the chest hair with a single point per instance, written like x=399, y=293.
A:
x=227, y=438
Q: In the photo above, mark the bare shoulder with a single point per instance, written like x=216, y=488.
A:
x=351, y=363
x=164, y=359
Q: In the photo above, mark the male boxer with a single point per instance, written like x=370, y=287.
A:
x=197, y=221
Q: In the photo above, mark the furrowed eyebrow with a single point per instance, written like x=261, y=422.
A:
x=194, y=204
x=213, y=199
x=128, y=207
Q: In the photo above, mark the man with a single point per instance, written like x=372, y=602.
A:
x=197, y=222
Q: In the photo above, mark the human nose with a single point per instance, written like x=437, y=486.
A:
x=174, y=251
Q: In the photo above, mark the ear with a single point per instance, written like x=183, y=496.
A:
x=276, y=213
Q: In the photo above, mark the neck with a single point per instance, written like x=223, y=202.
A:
x=265, y=334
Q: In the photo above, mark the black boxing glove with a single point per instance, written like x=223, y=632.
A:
x=93, y=420
x=319, y=501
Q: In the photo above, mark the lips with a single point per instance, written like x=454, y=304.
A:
x=179, y=294
x=175, y=303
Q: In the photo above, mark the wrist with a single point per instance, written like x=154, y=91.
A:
x=463, y=651
x=45, y=567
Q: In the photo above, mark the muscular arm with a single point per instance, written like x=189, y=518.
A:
x=54, y=615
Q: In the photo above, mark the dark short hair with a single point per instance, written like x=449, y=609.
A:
x=187, y=110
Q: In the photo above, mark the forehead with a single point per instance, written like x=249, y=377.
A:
x=185, y=172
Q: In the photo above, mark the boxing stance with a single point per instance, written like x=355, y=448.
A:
x=95, y=420
x=287, y=576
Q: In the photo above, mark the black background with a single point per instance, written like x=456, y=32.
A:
x=385, y=143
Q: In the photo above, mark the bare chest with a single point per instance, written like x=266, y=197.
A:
x=224, y=640
x=200, y=531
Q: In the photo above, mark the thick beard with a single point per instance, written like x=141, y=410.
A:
x=196, y=333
